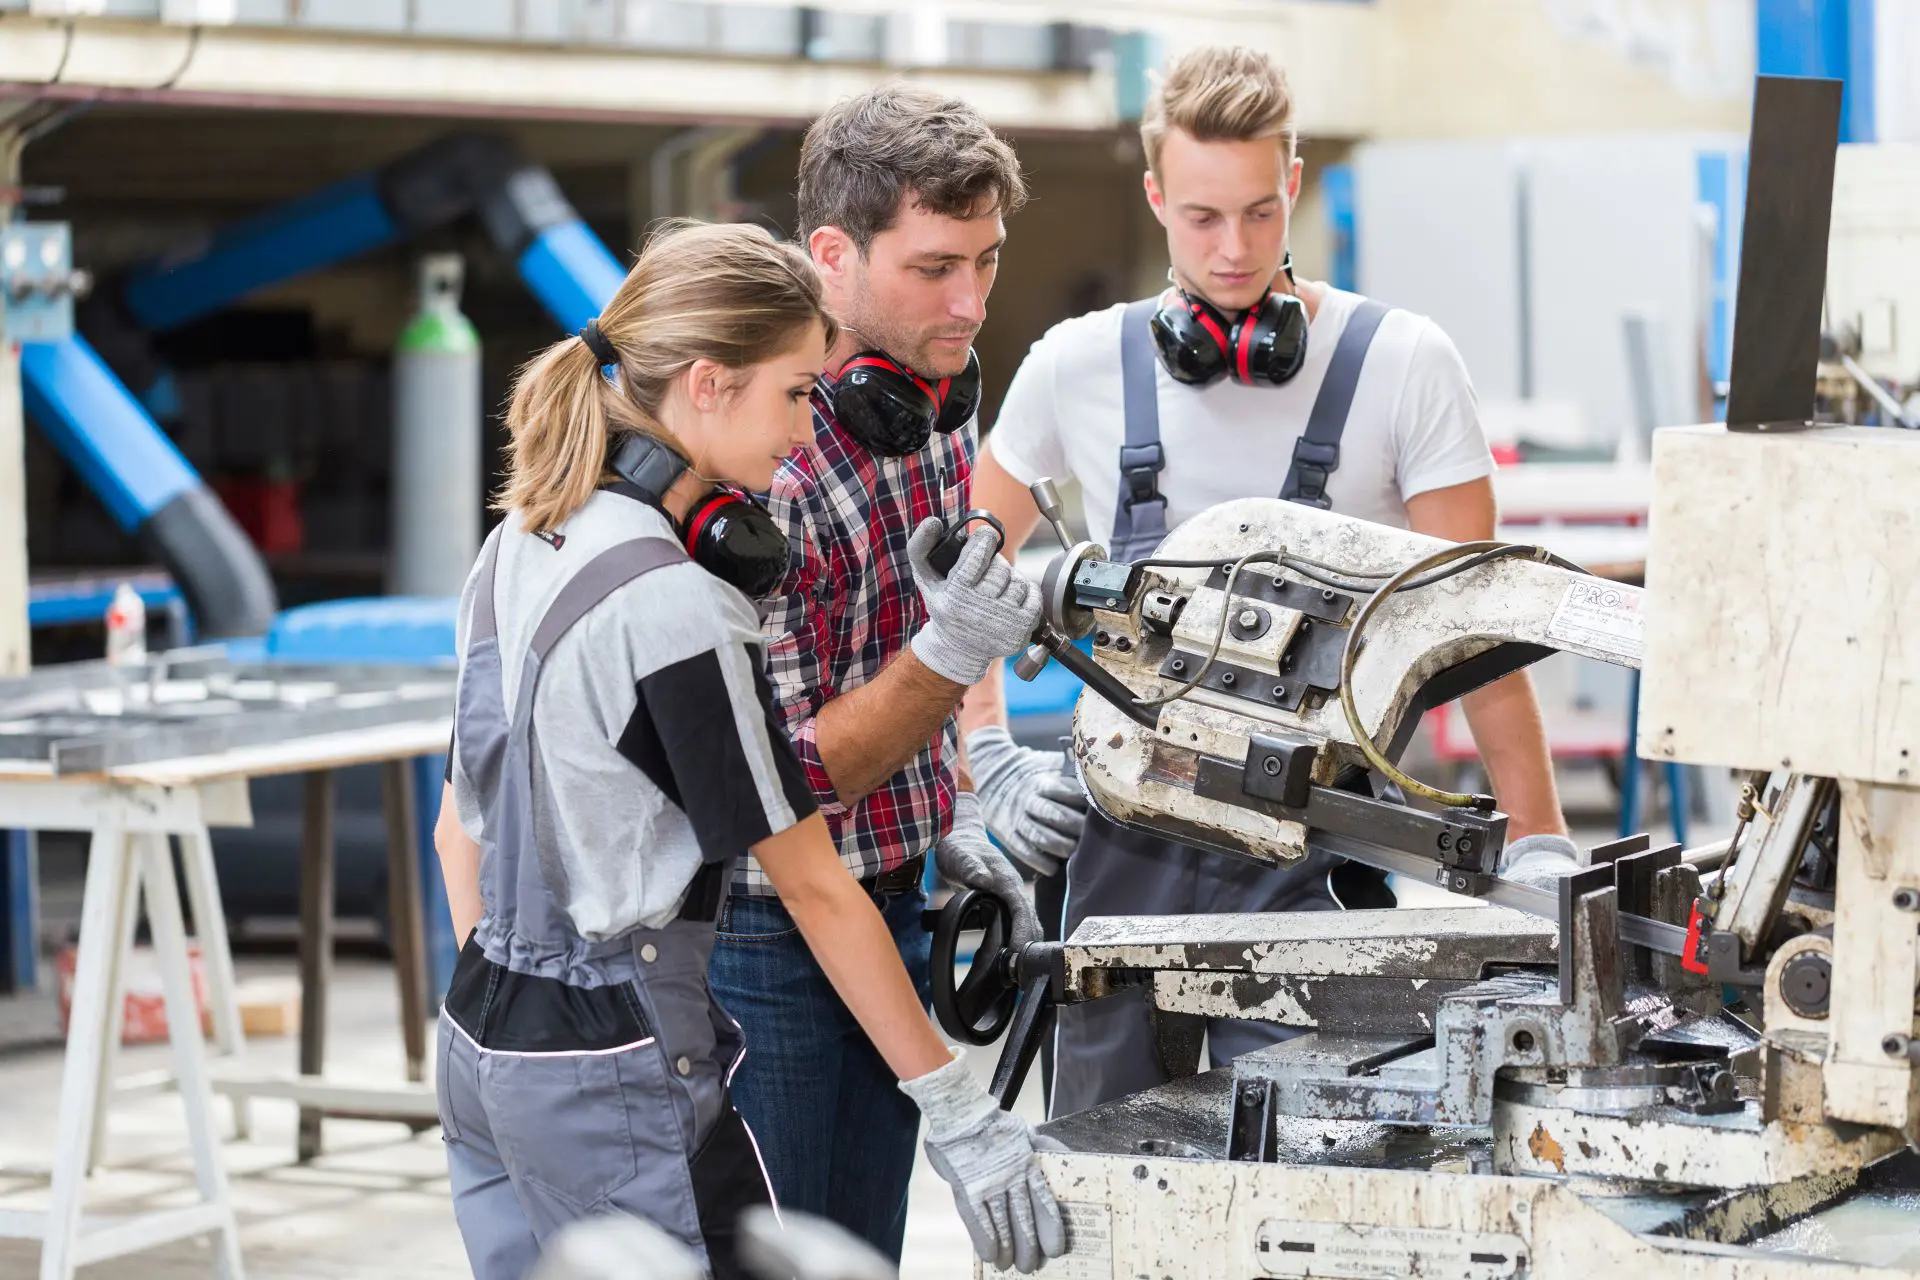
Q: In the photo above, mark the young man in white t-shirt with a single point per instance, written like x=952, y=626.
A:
x=1261, y=384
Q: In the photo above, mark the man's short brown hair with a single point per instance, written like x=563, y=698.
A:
x=1219, y=93
x=866, y=152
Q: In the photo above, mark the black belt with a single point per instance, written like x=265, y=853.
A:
x=902, y=879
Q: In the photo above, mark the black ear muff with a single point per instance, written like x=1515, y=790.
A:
x=890, y=410
x=959, y=397
x=1193, y=340
x=726, y=532
x=1199, y=345
x=1270, y=341
x=733, y=537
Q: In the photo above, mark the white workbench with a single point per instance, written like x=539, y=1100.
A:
x=131, y=811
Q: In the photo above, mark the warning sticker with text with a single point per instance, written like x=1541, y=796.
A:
x=1599, y=615
x=1089, y=1253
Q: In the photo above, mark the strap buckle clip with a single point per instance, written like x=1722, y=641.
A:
x=1313, y=463
x=1140, y=467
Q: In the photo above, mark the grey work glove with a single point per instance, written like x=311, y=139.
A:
x=967, y=858
x=604, y=1248
x=986, y=1156
x=802, y=1247
x=1033, y=807
x=1540, y=860
x=979, y=613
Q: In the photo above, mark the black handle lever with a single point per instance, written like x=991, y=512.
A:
x=946, y=553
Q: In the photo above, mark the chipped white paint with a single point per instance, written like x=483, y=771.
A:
x=1782, y=609
x=1704, y=1151
x=1385, y=944
x=1875, y=952
x=1204, y=1219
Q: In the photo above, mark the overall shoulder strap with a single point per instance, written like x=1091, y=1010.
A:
x=1139, y=512
x=482, y=625
x=1316, y=454
x=599, y=578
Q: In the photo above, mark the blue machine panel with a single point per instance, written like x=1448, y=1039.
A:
x=102, y=431
x=329, y=226
x=571, y=272
x=1336, y=188
x=1825, y=38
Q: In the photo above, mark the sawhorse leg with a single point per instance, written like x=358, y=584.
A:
x=216, y=960
x=119, y=861
x=126, y=922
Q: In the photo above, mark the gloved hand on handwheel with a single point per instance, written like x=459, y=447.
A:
x=1033, y=807
x=986, y=1156
x=966, y=857
x=980, y=612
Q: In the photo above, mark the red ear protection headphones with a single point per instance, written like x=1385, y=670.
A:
x=726, y=532
x=1199, y=344
x=892, y=411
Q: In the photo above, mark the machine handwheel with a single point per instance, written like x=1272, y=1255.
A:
x=978, y=1009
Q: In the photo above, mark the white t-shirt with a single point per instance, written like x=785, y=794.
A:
x=1414, y=425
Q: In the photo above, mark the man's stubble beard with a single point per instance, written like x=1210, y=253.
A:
x=873, y=332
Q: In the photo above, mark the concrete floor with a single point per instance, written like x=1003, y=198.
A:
x=375, y=1203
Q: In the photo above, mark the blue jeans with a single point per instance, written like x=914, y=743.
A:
x=836, y=1133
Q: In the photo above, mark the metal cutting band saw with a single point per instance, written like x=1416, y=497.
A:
x=1675, y=1063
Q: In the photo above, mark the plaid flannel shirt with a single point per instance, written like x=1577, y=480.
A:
x=846, y=608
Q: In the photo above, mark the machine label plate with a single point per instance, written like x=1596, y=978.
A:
x=1601, y=616
x=1089, y=1246
x=1354, y=1251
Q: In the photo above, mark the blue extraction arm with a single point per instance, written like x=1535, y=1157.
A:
x=123, y=455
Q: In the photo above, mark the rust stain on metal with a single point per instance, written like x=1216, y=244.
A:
x=1116, y=741
x=1543, y=1147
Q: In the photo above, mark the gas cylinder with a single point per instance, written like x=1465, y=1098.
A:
x=438, y=479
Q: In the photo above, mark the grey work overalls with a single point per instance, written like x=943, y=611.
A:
x=537, y=1139
x=1109, y=1048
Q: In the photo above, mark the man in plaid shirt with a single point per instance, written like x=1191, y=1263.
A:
x=901, y=197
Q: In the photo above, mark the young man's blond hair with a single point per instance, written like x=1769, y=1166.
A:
x=1219, y=93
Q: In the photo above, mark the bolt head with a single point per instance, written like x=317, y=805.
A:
x=1445, y=840
x=1279, y=691
x=1894, y=1046
x=1226, y=677
x=1460, y=882
x=1906, y=899
x=1249, y=619
x=1463, y=845
x=1326, y=593
x=1271, y=766
x=1177, y=665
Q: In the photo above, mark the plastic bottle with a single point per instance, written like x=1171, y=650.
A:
x=126, y=627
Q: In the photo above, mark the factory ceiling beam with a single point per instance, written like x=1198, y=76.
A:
x=311, y=68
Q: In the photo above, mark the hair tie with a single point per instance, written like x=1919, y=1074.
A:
x=597, y=343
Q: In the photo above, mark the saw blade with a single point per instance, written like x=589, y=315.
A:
x=1657, y=935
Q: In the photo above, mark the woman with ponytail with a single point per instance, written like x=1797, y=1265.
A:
x=615, y=753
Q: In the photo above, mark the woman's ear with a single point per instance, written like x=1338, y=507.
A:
x=706, y=383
